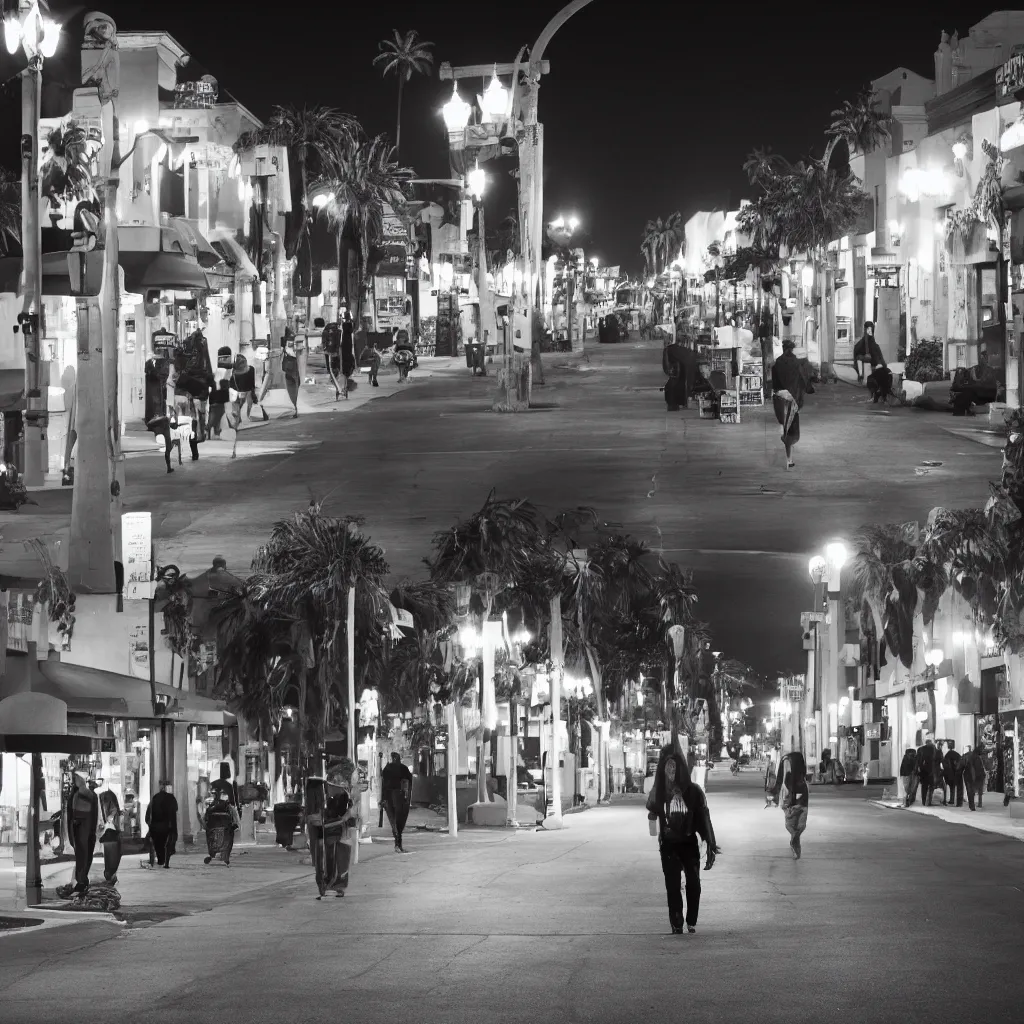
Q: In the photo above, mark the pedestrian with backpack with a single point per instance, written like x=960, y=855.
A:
x=791, y=791
x=677, y=811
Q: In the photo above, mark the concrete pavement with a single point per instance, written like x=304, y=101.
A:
x=714, y=497
x=572, y=926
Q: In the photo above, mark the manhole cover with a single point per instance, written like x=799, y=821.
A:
x=931, y=465
x=8, y=923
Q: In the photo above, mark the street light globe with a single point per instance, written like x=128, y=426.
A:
x=494, y=102
x=574, y=223
x=51, y=37
x=836, y=554
x=476, y=181
x=456, y=111
x=558, y=224
x=959, y=150
x=817, y=567
x=12, y=34
x=936, y=656
x=595, y=261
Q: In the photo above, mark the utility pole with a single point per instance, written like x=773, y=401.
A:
x=31, y=318
x=531, y=156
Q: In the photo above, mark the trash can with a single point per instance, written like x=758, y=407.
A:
x=286, y=823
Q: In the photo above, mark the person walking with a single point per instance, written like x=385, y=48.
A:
x=110, y=834
x=953, y=775
x=679, y=363
x=925, y=768
x=82, y=815
x=348, y=354
x=867, y=351
x=162, y=819
x=681, y=812
x=791, y=791
x=974, y=775
x=396, y=793
x=788, y=390
x=908, y=775
x=370, y=358
x=220, y=826
x=327, y=824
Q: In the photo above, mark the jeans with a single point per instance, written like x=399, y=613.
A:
x=956, y=787
x=974, y=789
x=910, y=785
x=84, y=841
x=111, y=859
x=679, y=860
x=796, y=822
x=927, y=789
x=163, y=840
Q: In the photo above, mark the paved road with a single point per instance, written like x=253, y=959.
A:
x=572, y=926
x=714, y=497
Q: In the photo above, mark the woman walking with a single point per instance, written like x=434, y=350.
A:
x=791, y=787
x=789, y=389
x=221, y=824
x=162, y=819
x=110, y=835
x=327, y=825
x=681, y=812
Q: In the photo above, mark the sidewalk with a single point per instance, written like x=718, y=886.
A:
x=980, y=433
x=990, y=818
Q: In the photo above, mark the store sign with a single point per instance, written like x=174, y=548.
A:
x=138, y=651
x=137, y=555
x=1010, y=77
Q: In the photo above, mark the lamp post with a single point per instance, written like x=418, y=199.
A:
x=476, y=184
x=561, y=230
x=578, y=690
x=38, y=36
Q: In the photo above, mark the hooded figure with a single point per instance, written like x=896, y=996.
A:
x=789, y=388
x=867, y=350
x=680, y=365
x=681, y=811
x=791, y=791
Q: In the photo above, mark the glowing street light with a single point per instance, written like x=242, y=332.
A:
x=456, y=111
x=494, y=102
x=476, y=182
x=36, y=34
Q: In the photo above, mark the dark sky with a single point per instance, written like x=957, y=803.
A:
x=649, y=108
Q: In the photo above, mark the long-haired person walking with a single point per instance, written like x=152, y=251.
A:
x=680, y=810
x=791, y=789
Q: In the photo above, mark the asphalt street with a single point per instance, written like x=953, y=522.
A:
x=711, y=496
x=889, y=916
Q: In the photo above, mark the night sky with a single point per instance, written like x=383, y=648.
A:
x=649, y=108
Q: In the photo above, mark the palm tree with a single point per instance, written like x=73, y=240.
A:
x=363, y=182
x=298, y=597
x=404, y=56
x=662, y=238
x=860, y=124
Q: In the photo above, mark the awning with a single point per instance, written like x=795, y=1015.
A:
x=222, y=239
x=95, y=692
x=175, y=272
x=205, y=254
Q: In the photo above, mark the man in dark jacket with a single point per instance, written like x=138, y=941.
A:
x=953, y=775
x=867, y=350
x=83, y=810
x=679, y=361
x=396, y=793
x=974, y=775
x=926, y=771
x=162, y=819
x=908, y=774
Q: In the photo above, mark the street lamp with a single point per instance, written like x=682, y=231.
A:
x=476, y=185
x=456, y=112
x=38, y=36
x=494, y=101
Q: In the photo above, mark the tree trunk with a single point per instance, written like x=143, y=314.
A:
x=110, y=306
x=91, y=550
x=398, y=125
